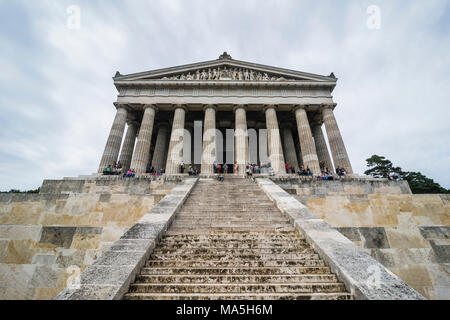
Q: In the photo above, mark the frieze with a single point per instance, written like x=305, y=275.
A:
x=230, y=73
x=238, y=91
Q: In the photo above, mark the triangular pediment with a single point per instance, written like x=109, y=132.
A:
x=225, y=69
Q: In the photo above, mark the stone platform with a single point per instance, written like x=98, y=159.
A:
x=47, y=239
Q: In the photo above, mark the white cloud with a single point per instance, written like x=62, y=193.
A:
x=56, y=91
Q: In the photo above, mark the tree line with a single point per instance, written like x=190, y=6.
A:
x=380, y=167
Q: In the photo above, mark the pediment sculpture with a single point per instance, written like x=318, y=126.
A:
x=236, y=74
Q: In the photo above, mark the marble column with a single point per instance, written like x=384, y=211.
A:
x=175, y=155
x=241, y=138
x=299, y=154
x=209, y=140
x=112, y=148
x=126, y=153
x=150, y=157
x=188, y=144
x=159, y=155
x=142, y=150
x=335, y=140
x=321, y=146
x=274, y=140
x=289, y=146
x=307, y=146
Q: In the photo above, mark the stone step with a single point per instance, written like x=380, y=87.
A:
x=229, y=241
x=235, y=263
x=235, y=271
x=208, y=214
x=193, y=230
x=237, y=288
x=235, y=257
x=237, y=252
x=230, y=207
x=236, y=236
x=185, y=218
x=180, y=279
x=229, y=224
x=248, y=226
x=179, y=231
x=224, y=246
x=240, y=296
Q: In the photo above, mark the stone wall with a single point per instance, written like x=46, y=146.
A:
x=48, y=237
x=409, y=234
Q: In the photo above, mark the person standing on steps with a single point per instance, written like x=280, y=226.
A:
x=225, y=168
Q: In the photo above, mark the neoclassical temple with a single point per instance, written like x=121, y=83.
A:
x=167, y=112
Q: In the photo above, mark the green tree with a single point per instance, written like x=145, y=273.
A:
x=380, y=167
x=421, y=184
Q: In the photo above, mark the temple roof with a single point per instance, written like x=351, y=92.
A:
x=225, y=68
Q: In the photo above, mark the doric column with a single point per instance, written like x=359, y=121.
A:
x=321, y=146
x=209, y=140
x=274, y=140
x=142, y=151
x=188, y=143
x=175, y=154
x=337, y=146
x=241, y=138
x=299, y=154
x=307, y=146
x=114, y=141
x=126, y=153
x=159, y=155
x=150, y=155
x=289, y=146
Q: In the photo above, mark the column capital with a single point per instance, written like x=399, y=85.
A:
x=207, y=106
x=153, y=106
x=163, y=124
x=317, y=123
x=180, y=106
x=133, y=122
x=269, y=106
x=122, y=106
x=240, y=106
x=329, y=105
x=295, y=107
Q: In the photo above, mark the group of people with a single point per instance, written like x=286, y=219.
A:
x=193, y=171
x=113, y=170
x=340, y=171
x=251, y=169
x=154, y=172
x=117, y=170
x=302, y=171
x=220, y=168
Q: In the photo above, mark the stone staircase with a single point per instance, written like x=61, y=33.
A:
x=229, y=241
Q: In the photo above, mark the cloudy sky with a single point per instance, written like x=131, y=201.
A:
x=56, y=91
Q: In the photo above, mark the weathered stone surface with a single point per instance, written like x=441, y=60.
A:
x=437, y=232
x=351, y=233
x=351, y=265
x=44, y=277
x=374, y=238
x=144, y=231
x=113, y=271
x=57, y=236
x=442, y=252
x=239, y=244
